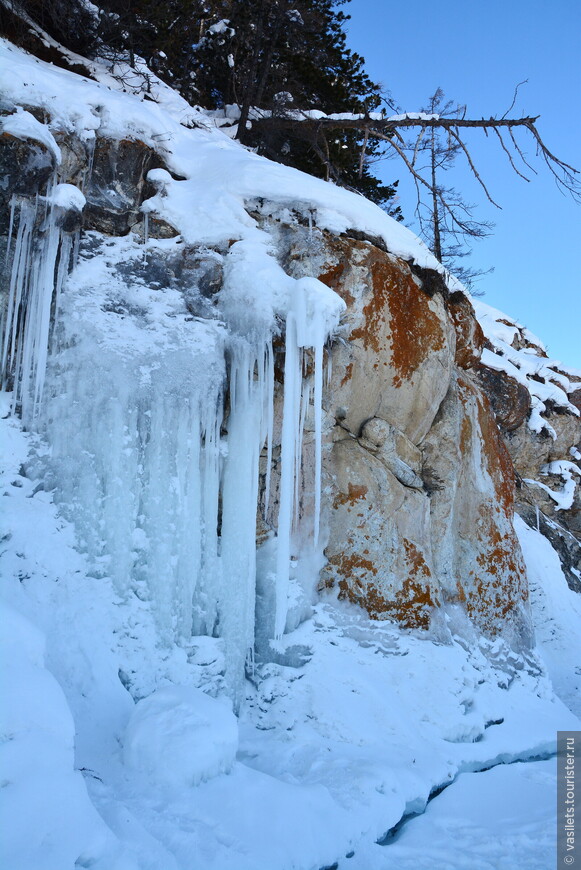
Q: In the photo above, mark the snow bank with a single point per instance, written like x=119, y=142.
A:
x=556, y=613
x=48, y=820
x=179, y=737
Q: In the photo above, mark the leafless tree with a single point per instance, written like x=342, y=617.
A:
x=392, y=130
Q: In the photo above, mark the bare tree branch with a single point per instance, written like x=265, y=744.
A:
x=509, y=155
x=515, y=95
x=520, y=153
x=473, y=167
x=385, y=129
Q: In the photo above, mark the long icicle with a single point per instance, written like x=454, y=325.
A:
x=291, y=411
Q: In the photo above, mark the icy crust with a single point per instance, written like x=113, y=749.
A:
x=325, y=765
x=478, y=824
x=220, y=176
x=528, y=363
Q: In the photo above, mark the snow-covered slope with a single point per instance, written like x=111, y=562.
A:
x=519, y=353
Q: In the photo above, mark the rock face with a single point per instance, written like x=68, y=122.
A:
x=510, y=400
x=541, y=428
x=420, y=439
x=420, y=486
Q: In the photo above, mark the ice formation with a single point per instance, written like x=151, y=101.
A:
x=132, y=402
x=40, y=263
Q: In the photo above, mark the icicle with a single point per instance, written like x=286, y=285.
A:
x=90, y=145
x=145, y=233
x=205, y=616
x=10, y=229
x=290, y=426
x=76, y=249
x=37, y=326
x=318, y=401
x=67, y=244
x=18, y=285
x=239, y=500
x=269, y=412
x=305, y=400
x=538, y=518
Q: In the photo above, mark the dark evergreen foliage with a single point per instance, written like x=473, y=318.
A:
x=276, y=55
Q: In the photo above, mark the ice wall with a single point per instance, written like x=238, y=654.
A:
x=156, y=419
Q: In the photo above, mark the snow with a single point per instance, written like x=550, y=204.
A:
x=48, y=819
x=23, y=125
x=179, y=737
x=67, y=196
x=485, y=821
x=530, y=366
x=222, y=27
x=556, y=613
x=414, y=116
x=565, y=497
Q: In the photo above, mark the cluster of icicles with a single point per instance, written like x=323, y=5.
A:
x=163, y=502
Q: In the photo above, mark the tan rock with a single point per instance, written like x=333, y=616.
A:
x=469, y=334
x=398, y=343
x=476, y=553
x=379, y=551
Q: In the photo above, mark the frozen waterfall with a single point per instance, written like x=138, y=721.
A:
x=129, y=390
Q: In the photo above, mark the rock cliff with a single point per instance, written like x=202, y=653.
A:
x=423, y=438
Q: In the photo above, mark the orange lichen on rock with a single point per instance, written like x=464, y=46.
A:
x=411, y=605
x=333, y=275
x=469, y=334
x=417, y=564
x=498, y=462
x=351, y=565
x=354, y=493
x=348, y=374
x=416, y=331
x=410, y=602
x=497, y=585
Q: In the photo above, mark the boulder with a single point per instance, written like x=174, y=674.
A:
x=116, y=185
x=509, y=400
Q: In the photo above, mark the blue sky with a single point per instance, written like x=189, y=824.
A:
x=478, y=52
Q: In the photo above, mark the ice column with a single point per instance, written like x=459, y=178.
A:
x=249, y=423
x=314, y=312
x=40, y=264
